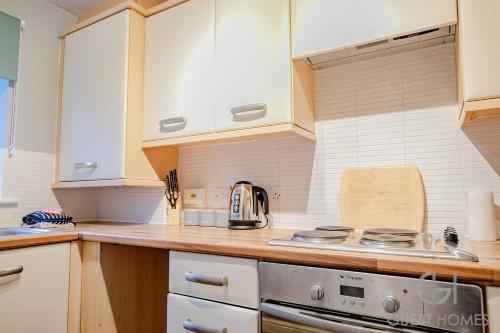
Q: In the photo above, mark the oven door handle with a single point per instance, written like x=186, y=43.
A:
x=320, y=321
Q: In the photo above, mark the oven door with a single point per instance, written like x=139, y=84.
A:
x=285, y=319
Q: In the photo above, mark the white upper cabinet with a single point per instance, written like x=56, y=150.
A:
x=92, y=142
x=253, y=80
x=480, y=48
x=320, y=26
x=179, y=86
x=102, y=108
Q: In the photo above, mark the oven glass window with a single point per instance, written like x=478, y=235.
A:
x=272, y=324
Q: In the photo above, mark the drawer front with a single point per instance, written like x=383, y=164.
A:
x=218, y=278
x=187, y=314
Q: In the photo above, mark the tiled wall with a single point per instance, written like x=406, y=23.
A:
x=393, y=110
x=136, y=205
x=398, y=109
x=27, y=176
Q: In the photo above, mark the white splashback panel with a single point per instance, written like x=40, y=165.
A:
x=397, y=109
x=27, y=176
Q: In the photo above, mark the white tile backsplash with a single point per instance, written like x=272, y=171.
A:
x=27, y=176
x=397, y=109
x=136, y=205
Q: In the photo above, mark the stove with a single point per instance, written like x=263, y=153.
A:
x=404, y=242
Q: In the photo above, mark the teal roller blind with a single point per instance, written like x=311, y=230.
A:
x=10, y=34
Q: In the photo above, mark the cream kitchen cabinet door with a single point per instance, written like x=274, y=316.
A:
x=35, y=299
x=253, y=80
x=187, y=314
x=493, y=308
x=102, y=108
x=480, y=48
x=179, y=91
x=94, y=101
x=320, y=26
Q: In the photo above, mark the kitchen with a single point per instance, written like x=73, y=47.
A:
x=348, y=116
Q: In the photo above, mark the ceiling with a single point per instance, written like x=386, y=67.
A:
x=76, y=7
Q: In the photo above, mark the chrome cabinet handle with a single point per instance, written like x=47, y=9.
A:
x=249, y=112
x=197, y=328
x=204, y=279
x=11, y=271
x=85, y=165
x=173, y=124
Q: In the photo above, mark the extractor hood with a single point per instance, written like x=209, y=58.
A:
x=393, y=45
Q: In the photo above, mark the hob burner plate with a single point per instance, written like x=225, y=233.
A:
x=335, y=228
x=387, y=240
x=319, y=236
x=390, y=231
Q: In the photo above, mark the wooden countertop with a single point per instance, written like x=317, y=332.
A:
x=17, y=241
x=252, y=244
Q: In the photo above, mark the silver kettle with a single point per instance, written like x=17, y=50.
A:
x=244, y=203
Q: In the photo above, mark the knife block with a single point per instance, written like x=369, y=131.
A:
x=174, y=216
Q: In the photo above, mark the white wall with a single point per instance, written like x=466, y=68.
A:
x=391, y=110
x=398, y=109
x=28, y=175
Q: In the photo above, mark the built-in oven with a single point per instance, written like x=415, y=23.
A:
x=277, y=318
x=301, y=299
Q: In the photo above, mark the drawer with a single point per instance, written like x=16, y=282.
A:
x=206, y=316
x=218, y=278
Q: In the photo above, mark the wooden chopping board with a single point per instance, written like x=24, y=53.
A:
x=382, y=197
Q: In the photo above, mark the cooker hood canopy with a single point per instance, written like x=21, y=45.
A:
x=393, y=45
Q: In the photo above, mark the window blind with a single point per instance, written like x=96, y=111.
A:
x=10, y=34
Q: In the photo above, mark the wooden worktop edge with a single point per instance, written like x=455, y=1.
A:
x=486, y=273
x=35, y=240
x=338, y=260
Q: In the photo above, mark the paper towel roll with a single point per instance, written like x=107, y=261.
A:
x=481, y=216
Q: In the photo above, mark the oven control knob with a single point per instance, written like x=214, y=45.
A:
x=316, y=292
x=390, y=304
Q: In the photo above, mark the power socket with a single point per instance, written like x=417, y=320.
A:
x=222, y=196
x=194, y=196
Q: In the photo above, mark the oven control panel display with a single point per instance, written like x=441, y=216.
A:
x=352, y=291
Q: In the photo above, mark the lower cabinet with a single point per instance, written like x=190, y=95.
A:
x=493, y=308
x=211, y=293
x=222, y=279
x=188, y=314
x=34, y=289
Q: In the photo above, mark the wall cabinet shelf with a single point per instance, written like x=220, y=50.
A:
x=481, y=109
x=110, y=183
x=221, y=70
x=478, y=67
x=101, y=108
x=179, y=80
x=263, y=132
